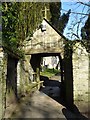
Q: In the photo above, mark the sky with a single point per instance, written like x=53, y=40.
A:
x=74, y=18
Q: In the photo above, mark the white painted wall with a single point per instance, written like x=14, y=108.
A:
x=51, y=61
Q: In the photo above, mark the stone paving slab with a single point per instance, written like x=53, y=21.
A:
x=40, y=105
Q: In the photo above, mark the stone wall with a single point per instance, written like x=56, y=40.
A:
x=81, y=76
x=49, y=41
x=3, y=66
x=24, y=74
x=1, y=55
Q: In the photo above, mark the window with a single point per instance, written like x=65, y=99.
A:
x=43, y=26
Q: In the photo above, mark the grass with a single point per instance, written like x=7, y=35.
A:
x=49, y=72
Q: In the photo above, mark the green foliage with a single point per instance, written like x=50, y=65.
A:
x=49, y=72
x=86, y=29
x=55, y=12
x=68, y=48
x=63, y=21
x=19, y=20
x=57, y=20
x=9, y=21
x=85, y=34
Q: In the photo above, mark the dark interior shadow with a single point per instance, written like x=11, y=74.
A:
x=52, y=88
x=75, y=114
x=47, y=82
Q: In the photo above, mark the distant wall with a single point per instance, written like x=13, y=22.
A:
x=51, y=61
x=80, y=74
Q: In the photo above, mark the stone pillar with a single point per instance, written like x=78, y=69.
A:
x=25, y=73
x=11, y=82
x=89, y=79
x=18, y=73
x=1, y=85
x=18, y=77
x=38, y=77
x=68, y=78
x=62, y=77
x=61, y=68
x=38, y=74
x=3, y=72
x=81, y=77
x=28, y=69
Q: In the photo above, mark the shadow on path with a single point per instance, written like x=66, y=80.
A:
x=73, y=114
x=49, y=82
x=52, y=88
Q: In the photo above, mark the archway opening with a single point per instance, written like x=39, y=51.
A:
x=51, y=73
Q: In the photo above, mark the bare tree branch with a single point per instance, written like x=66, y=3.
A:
x=76, y=12
x=80, y=2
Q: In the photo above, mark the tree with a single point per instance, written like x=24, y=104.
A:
x=63, y=21
x=86, y=29
x=85, y=33
x=55, y=13
x=57, y=20
x=19, y=20
x=9, y=20
x=10, y=42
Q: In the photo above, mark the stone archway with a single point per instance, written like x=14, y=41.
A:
x=36, y=59
x=35, y=63
x=52, y=42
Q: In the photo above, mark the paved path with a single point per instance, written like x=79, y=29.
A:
x=39, y=105
x=44, y=104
